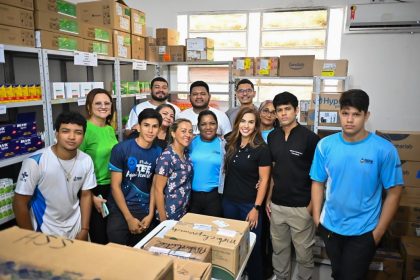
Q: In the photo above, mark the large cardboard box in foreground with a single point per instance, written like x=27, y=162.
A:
x=24, y=4
x=410, y=249
x=296, y=65
x=406, y=142
x=17, y=36
x=331, y=68
x=229, y=241
x=57, y=257
x=411, y=173
x=16, y=17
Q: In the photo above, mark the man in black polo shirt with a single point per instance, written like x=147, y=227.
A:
x=292, y=148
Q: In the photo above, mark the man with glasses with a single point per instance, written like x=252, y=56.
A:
x=245, y=93
x=159, y=95
x=288, y=205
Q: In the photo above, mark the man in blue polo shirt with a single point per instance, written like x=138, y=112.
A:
x=355, y=166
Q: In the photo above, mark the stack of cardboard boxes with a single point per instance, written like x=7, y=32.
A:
x=168, y=48
x=404, y=231
x=138, y=34
x=17, y=23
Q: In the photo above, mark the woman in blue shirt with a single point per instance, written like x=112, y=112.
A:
x=207, y=151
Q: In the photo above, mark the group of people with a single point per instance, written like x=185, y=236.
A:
x=253, y=164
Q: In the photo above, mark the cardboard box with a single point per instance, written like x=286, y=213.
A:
x=296, y=65
x=166, y=37
x=29, y=144
x=85, y=88
x=400, y=228
x=200, y=49
x=8, y=150
x=150, y=41
x=266, y=66
x=96, y=33
x=138, y=23
x=410, y=196
x=55, y=22
x=326, y=118
x=56, y=6
x=406, y=142
x=121, y=44
x=138, y=47
x=410, y=250
x=327, y=101
x=152, y=53
x=12, y=16
x=101, y=48
x=243, y=66
x=385, y=266
x=58, y=91
x=408, y=214
x=57, y=41
x=59, y=257
x=331, y=68
x=411, y=173
x=17, y=36
x=8, y=132
x=72, y=90
x=108, y=13
x=179, y=249
x=177, y=53
x=229, y=240
x=24, y=4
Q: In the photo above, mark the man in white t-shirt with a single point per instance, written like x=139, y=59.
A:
x=200, y=99
x=159, y=93
x=46, y=195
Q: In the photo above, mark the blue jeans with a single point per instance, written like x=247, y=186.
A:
x=239, y=211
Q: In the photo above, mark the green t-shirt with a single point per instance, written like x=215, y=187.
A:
x=98, y=143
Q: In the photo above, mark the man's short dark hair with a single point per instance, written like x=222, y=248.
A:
x=356, y=98
x=244, y=81
x=285, y=98
x=70, y=117
x=199, y=84
x=149, y=113
x=158, y=79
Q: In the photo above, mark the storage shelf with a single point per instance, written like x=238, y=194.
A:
x=64, y=100
x=22, y=104
x=13, y=48
x=227, y=63
x=14, y=160
x=334, y=128
x=7, y=219
x=276, y=78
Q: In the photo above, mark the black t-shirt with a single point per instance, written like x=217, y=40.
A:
x=243, y=173
x=292, y=163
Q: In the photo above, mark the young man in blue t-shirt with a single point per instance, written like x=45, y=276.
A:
x=132, y=166
x=355, y=166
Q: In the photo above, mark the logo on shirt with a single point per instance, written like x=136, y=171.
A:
x=296, y=153
x=141, y=169
x=366, y=160
x=75, y=179
x=24, y=176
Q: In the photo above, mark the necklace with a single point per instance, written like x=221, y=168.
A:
x=67, y=174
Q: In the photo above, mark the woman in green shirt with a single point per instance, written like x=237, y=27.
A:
x=98, y=142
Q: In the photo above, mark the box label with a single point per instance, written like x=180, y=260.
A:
x=139, y=65
x=85, y=58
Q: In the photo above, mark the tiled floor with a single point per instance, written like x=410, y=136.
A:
x=321, y=272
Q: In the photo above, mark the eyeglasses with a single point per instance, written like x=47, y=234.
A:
x=242, y=91
x=104, y=104
x=267, y=112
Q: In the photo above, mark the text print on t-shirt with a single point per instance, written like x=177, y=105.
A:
x=296, y=153
x=141, y=169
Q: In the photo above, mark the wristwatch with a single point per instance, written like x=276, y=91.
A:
x=257, y=207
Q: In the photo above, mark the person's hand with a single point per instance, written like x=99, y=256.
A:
x=146, y=221
x=377, y=236
x=134, y=225
x=97, y=203
x=309, y=209
x=252, y=218
x=268, y=208
x=82, y=235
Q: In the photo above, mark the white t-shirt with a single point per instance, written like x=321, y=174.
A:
x=54, y=206
x=223, y=121
x=134, y=113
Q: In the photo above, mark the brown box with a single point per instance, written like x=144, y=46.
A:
x=56, y=6
x=177, y=53
x=199, y=49
x=410, y=196
x=57, y=41
x=138, y=47
x=243, y=66
x=406, y=142
x=327, y=101
x=101, y=48
x=180, y=249
x=326, y=118
x=57, y=257
x=400, y=228
x=385, y=266
x=108, y=13
x=411, y=173
x=407, y=214
x=122, y=44
x=12, y=16
x=229, y=240
x=17, y=36
x=152, y=53
x=55, y=22
x=296, y=65
x=24, y=4
x=150, y=41
x=138, y=23
x=266, y=66
x=166, y=37
x=331, y=68
x=97, y=33
x=410, y=250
